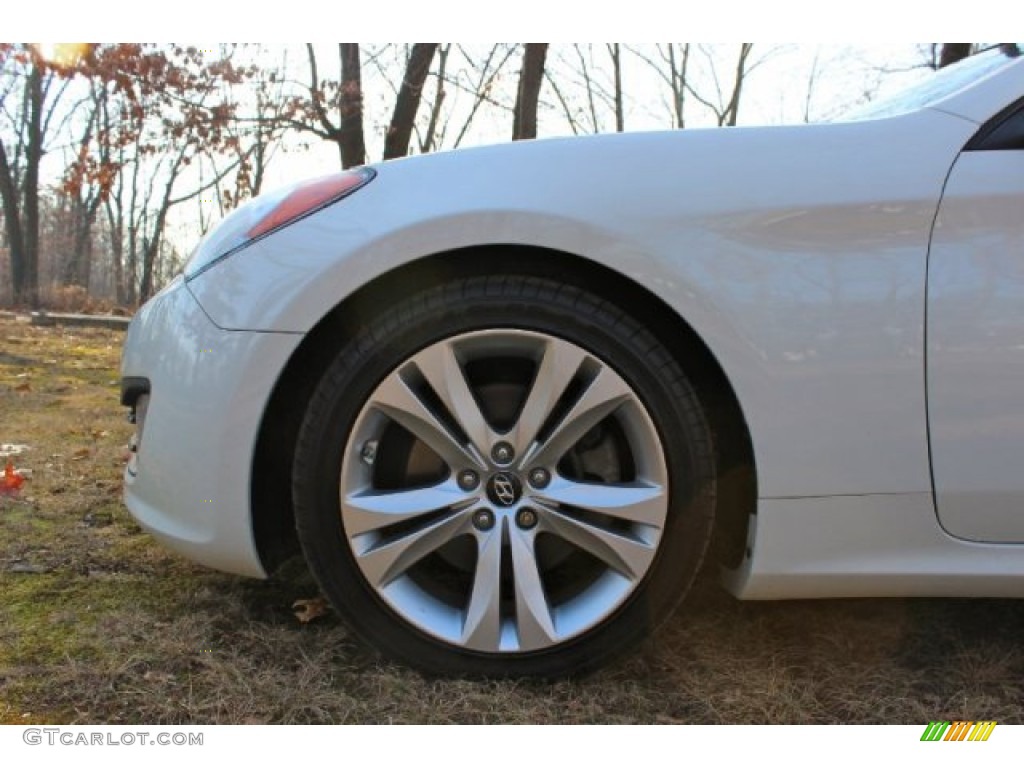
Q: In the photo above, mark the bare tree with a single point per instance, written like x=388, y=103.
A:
x=460, y=72
x=169, y=113
x=951, y=53
x=428, y=141
x=671, y=66
x=615, y=51
x=531, y=77
x=351, y=141
x=312, y=113
x=583, y=68
x=939, y=55
x=85, y=201
x=28, y=99
x=407, y=104
x=726, y=104
x=252, y=140
x=482, y=77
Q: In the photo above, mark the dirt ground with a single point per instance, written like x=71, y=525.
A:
x=98, y=624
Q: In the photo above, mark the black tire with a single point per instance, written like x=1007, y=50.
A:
x=606, y=602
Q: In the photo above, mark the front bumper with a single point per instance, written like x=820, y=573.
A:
x=189, y=481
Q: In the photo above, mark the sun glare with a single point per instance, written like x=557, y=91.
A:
x=63, y=54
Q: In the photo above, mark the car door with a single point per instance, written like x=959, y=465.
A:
x=975, y=338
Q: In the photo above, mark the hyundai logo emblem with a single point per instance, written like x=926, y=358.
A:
x=504, y=489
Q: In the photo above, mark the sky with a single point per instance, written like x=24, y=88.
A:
x=867, y=21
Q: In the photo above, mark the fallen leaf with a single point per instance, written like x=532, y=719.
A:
x=307, y=610
x=81, y=453
x=23, y=387
x=11, y=481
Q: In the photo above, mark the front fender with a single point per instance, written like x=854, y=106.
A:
x=796, y=254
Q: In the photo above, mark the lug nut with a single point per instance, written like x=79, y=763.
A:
x=503, y=453
x=369, y=451
x=483, y=519
x=526, y=518
x=468, y=480
x=540, y=477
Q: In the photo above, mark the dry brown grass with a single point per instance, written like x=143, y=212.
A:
x=74, y=298
x=100, y=625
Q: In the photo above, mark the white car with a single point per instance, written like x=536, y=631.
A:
x=506, y=398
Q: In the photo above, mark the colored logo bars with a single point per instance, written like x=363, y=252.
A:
x=960, y=730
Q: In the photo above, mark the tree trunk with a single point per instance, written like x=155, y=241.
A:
x=30, y=212
x=427, y=144
x=408, y=102
x=133, y=264
x=352, y=145
x=531, y=76
x=953, y=52
x=732, y=110
x=21, y=207
x=12, y=222
x=677, y=82
x=116, y=258
x=616, y=54
x=79, y=266
x=151, y=249
x=151, y=245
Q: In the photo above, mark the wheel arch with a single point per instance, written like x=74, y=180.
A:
x=270, y=489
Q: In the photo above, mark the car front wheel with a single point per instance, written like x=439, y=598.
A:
x=504, y=476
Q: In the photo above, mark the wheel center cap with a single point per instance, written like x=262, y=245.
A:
x=504, y=489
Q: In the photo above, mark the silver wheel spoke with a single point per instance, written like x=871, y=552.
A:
x=636, y=503
x=626, y=555
x=459, y=559
x=606, y=392
x=394, y=398
x=557, y=368
x=370, y=510
x=482, y=628
x=442, y=370
x=383, y=563
x=534, y=624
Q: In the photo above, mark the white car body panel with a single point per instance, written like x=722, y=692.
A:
x=868, y=546
x=976, y=348
x=982, y=98
x=798, y=255
x=791, y=289
x=209, y=389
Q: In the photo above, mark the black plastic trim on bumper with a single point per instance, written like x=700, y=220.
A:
x=132, y=388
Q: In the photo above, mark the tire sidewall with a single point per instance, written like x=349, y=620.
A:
x=530, y=305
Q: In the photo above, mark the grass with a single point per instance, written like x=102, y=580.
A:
x=98, y=624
